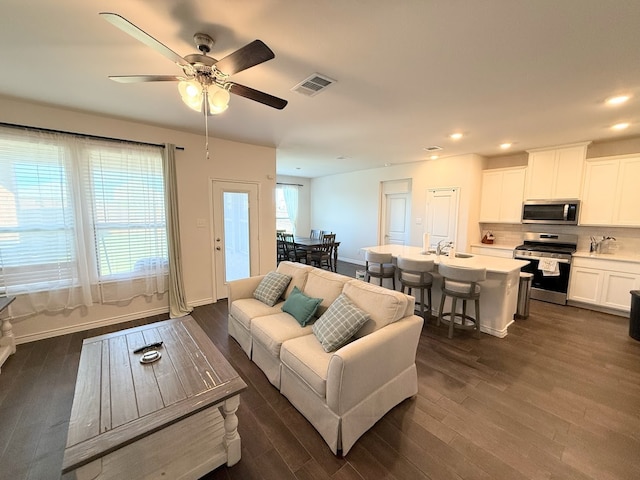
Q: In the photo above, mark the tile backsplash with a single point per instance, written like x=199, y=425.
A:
x=627, y=239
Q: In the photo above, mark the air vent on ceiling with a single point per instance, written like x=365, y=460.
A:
x=313, y=85
x=433, y=148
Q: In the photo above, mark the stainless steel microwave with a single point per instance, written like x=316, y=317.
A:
x=558, y=212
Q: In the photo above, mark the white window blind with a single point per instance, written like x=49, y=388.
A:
x=37, y=225
x=77, y=214
x=127, y=196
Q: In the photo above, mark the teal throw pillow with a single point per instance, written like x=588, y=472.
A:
x=301, y=306
x=271, y=287
x=339, y=323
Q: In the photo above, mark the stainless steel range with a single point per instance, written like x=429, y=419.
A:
x=549, y=255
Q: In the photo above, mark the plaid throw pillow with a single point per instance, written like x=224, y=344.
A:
x=339, y=323
x=271, y=288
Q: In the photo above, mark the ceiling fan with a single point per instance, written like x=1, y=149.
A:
x=204, y=85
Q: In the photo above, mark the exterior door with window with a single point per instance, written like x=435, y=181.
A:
x=235, y=233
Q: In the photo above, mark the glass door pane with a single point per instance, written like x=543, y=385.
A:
x=236, y=235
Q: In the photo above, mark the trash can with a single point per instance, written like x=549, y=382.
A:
x=634, y=316
x=524, y=294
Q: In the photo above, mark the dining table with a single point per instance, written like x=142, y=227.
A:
x=310, y=243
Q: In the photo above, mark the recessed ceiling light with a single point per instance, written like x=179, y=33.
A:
x=433, y=157
x=620, y=126
x=504, y=146
x=455, y=136
x=617, y=100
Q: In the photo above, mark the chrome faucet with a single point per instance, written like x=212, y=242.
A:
x=443, y=245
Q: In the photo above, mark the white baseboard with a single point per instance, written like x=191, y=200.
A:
x=81, y=327
x=351, y=260
x=102, y=322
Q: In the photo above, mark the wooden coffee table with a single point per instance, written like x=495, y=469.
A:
x=174, y=418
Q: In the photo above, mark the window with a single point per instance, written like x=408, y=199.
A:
x=286, y=207
x=78, y=213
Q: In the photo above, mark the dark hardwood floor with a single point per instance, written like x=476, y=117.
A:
x=558, y=398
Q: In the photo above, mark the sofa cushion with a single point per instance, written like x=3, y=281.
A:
x=383, y=305
x=326, y=285
x=300, y=306
x=246, y=309
x=306, y=357
x=338, y=324
x=270, y=331
x=298, y=273
x=271, y=288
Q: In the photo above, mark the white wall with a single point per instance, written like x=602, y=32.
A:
x=228, y=160
x=349, y=204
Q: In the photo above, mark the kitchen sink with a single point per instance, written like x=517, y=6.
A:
x=463, y=255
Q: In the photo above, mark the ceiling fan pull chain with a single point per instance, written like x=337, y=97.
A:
x=205, y=108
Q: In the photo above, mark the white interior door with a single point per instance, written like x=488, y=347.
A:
x=442, y=214
x=396, y=218
x=235, y=233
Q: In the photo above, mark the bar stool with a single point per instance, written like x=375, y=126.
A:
x=415, y=274
x=379, y=265
x=460, y=283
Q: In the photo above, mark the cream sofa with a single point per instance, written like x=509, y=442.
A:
x=345, y=392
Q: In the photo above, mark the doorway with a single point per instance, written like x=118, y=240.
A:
x=235, y=249
x=396, y=212
x=442, y=214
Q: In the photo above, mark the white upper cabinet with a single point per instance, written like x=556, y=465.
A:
x=555, y=173
x=611, y=194
x=502, y=194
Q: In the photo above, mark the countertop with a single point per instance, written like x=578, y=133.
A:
x=500, y=246
x=492, y=264
x=617, y=256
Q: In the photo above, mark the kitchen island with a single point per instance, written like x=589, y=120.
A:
x=499, y=296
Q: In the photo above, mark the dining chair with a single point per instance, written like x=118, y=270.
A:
x=293, y=252
x=282, y=250
x=314, y=233
x=379, y=265
x=322, y=256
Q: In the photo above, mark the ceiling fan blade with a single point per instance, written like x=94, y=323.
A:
x=252, y=54
x=128, y=27
x=145, y=78
x=257, y=96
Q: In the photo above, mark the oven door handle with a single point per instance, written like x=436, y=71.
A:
x=534, y=257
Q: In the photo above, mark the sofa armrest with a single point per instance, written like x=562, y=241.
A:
x=364, y=365
x=242, y=288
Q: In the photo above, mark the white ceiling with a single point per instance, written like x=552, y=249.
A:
x=409, y=72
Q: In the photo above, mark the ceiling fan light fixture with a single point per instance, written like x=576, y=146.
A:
x=218, y=100
x=191, y=94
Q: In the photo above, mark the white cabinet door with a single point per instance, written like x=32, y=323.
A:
x=502, y=194
x=616, y=289
x=627, y=209
x=611, y=194
x=556, y=173
x=569, y=171
x=540, y=175
x=512, y=195
x=598, y=196
x=585, y=285
x=491, y=196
